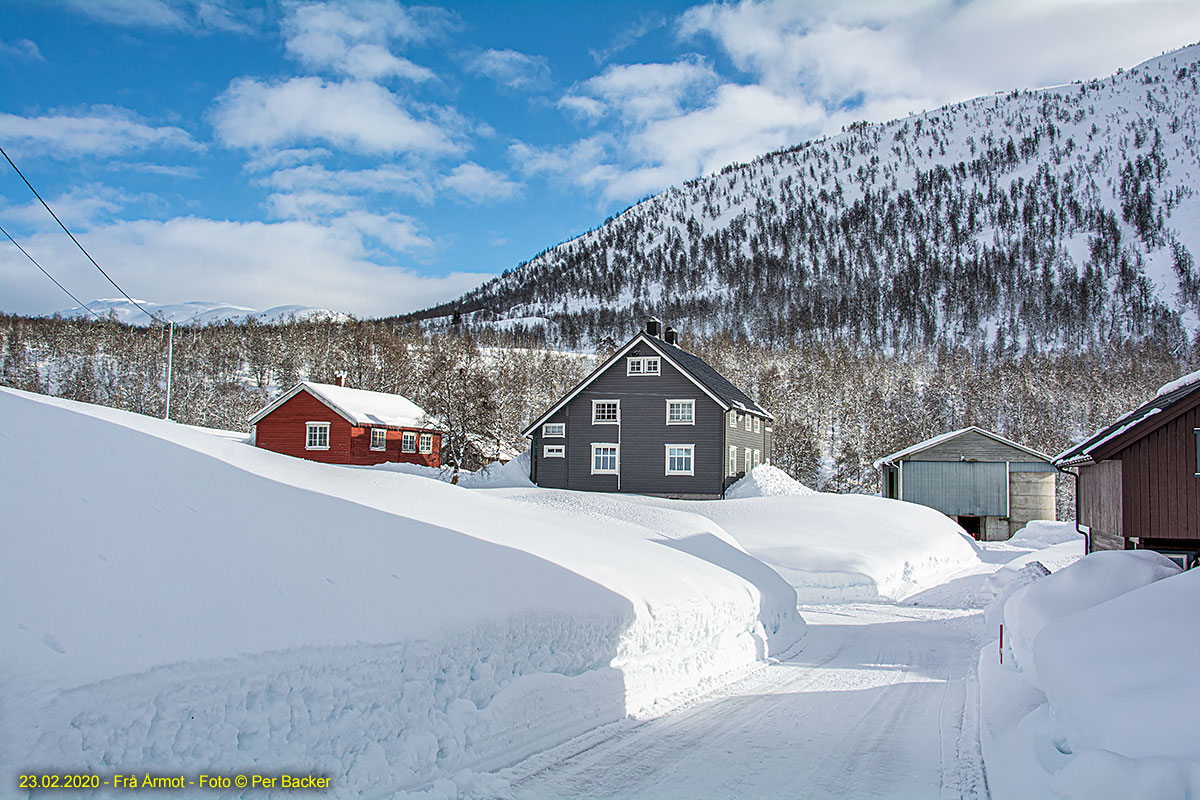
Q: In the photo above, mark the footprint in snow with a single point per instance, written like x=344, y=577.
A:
x=53, y=644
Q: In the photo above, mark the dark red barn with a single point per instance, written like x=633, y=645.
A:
x=1138, y=480
x=322, y=422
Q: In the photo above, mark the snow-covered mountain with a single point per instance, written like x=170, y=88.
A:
x=1059, y=217
x=199, y=312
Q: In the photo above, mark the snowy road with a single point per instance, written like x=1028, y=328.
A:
x=873, y=706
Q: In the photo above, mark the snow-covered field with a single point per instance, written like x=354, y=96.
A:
x=176, y=601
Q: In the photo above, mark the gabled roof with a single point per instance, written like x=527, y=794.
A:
x=359, y=407
x=946, y=437
x=1133, y=425
x=694, y=368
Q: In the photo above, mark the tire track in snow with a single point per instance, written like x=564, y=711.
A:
x=873, y=706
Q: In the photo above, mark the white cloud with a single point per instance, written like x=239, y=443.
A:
x=354, y=39
x=354, y=115
x=479, y=184
x=21, y=50
x=640, y=92
x=511, y=68
x=386, y=179
x=196, y=15
x=101, y=131
x=807, y=69
x=254, y=264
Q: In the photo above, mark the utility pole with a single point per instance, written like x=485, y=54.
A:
x=170, y=358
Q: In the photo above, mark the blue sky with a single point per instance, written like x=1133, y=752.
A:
x=378, y=157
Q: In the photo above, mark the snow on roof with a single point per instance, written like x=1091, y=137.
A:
x=359, y=406
x=1178, y=383
x=945, y=437
x=1166, y=397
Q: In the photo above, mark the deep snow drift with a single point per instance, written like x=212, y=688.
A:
x=766, y=481
x=1096, y=697
x=175, y=601
x=830, y=548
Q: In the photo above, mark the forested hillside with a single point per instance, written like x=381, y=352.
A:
x=836, y=407
x=1064, y=218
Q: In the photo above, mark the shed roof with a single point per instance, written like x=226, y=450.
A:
x=358, y=406
x=900, y=455
x=699, y=371
x=1133, y=425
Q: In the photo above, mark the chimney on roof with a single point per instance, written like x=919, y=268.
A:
x=671, y=336
x=654, y=326
x=341, y=376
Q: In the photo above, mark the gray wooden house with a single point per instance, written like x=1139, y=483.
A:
x=1138, y=480
x=652, y=419
x=990, y=485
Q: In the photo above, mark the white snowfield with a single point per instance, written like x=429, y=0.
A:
x=1097, y=694
x=176, y=601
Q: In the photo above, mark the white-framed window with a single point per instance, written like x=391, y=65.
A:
x=757, y=457
x=733, y=461
x=642, y=365
x=749, y=424
x=408, y=442
x=606, y=412
x=606, y=458
x=746, y=463
x=733, y=419
x=680, y=459
x=681, y=412
x=553, y=430
x=378, y=438
x=426, y=442
x=316, y=436
x=757, y=425
x=554, y=451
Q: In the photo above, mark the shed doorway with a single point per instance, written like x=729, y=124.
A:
x=972, y=525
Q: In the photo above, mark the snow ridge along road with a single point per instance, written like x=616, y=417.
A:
x=881, y=701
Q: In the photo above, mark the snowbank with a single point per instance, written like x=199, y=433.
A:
x=766, y=481
x=1096, y=697
x=1041, y=533
x=174, y=601
x=1086, y=583
x=841, y=548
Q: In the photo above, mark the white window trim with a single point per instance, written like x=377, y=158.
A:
x=691, y=448
x=616, y=471
x=554, y=451
x=561, y=427
x=748, y=456
x=732, y=460
x=421, y=446
x=308, y=426
x=382, y=446
x=691, y=421
x=644, y=364
x=616, y=421
x=757, y=425
x=404, y=448
x=757, y=457
x=749, y=424
x=733, y=419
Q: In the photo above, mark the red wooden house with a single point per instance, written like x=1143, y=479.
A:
x=322, y=422
x=1138, y=480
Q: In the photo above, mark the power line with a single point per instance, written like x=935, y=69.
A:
x=51, y=277
x=76, y=241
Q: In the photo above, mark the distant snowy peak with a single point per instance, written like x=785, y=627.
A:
x=199, y=312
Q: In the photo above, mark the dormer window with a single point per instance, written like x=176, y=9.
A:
x=642, y=365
